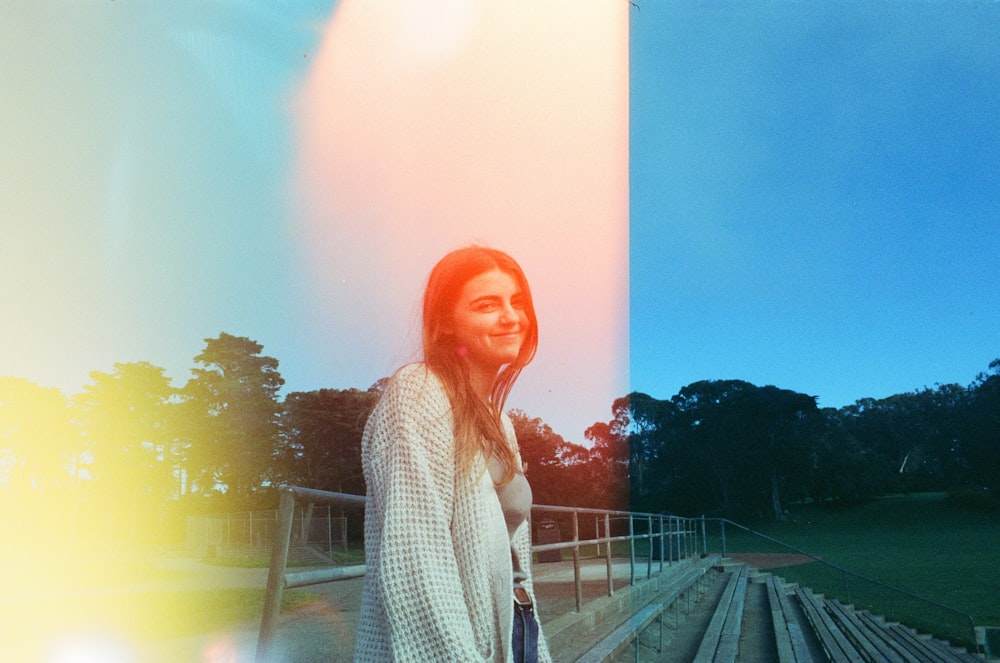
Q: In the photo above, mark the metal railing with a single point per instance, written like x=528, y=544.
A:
x=845, y=573
x=674, y=538
x=668, y=539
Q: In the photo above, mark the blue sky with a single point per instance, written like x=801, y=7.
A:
x=815, y=195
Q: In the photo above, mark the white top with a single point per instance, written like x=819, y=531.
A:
x=439, y=578
x=515, y=502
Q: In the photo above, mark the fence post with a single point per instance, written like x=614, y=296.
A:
x=664, y=541
x=631, y=550
x=329, y=530
x=305, y=527
x=675, y=539
x=704, y=539
x=607, y=554
x=649, y=541
x=722, y=527
x=577, y=579
x=276, y=575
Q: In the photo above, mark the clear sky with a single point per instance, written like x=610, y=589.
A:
x=290, y=172
x=815, y=195
x=788, y=193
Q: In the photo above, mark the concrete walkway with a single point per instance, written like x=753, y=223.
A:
x=322, y=631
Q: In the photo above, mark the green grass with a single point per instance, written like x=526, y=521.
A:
x=917, y=543
x=352, y=556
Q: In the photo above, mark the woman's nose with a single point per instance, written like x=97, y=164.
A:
x=508, y=314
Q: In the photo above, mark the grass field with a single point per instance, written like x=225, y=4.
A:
x=917, y=543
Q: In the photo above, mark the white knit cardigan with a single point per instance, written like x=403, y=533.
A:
x=439, y=581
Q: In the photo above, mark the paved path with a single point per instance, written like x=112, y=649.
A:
x=323, y=629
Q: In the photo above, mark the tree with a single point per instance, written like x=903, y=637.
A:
x=981, y=439
x=842, y=468
x=609, y=457
x=918, y=433
x=126, y=421
x=718, y=446
x=39, y=465
x=551, y=463
x=232, y=417
x=321, y=438
x=39, y=446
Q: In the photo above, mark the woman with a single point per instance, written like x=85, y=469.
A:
x=447, y=536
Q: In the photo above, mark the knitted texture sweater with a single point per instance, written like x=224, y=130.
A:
x=439, y=580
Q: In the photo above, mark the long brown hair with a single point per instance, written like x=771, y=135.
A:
x=478, y=426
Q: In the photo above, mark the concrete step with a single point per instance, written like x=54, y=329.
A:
x=573, y=634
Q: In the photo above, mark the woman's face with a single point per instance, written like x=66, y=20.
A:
x=489, y=320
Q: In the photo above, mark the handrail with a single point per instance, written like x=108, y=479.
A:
x=667, y=527
x=847, y=572
x=278, y=579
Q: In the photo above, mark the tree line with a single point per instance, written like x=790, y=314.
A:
x=730, y=448
x=130, y=454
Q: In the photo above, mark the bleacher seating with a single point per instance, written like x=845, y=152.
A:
x=671, y=590
x=805, y=627
x=618, y=640
x=721, y=641
x=789, y=637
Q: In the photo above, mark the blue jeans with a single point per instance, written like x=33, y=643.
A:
x=525, y=641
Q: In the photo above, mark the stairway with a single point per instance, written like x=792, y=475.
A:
x=746, y=616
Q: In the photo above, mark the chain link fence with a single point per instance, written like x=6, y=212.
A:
x=252, y=532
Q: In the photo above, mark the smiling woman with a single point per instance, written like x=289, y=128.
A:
x=447, y=538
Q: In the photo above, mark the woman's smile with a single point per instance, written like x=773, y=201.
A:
x=489, y=321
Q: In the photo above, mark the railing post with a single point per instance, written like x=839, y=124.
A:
x=607, y=554
x=649, y=541
x=631, y=550
x=722, y=527
x=704, y=539
x=663, y=542
x=675, y=533
x=577, y=579
x=276, y=575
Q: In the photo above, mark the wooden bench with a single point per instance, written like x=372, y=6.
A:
x=791, y=642
x=870, y=641
x=564, y=633
x=682, y=588
x=720, y=643
x=918, y=647
x=627, y=633
x=836, y=645
x=616, y=641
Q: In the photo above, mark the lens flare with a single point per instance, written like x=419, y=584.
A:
x=506, y=125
